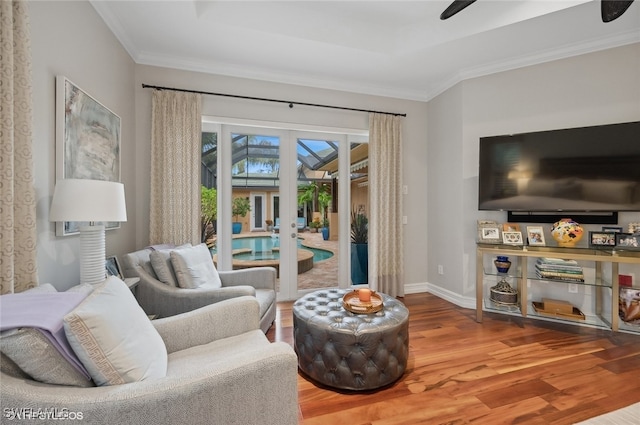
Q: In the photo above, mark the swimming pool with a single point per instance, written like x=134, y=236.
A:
x=268, y=248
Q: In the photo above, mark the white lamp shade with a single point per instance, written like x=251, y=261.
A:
x=88, y=200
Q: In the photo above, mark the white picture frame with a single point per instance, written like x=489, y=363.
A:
x=512, y=238
x=87, y=142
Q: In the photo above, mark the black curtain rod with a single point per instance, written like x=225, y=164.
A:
x=291, y=103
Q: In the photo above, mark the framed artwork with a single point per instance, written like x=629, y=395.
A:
x=488, y=231
x=634, y=227
x=510, y=227
x=628, y=241
x=512, y=238
x=87, y=142
x=602, y=239
x=112, y=267
x=535, y=236
x=617, y=229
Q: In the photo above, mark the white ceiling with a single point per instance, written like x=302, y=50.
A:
x=389, y=48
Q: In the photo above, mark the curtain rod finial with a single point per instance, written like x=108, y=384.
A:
x=291, y=105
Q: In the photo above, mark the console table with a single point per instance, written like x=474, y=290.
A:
x=601, y=287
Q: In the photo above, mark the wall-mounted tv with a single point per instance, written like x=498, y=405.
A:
x=588, y=169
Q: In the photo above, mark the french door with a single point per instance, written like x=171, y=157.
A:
x=271, y=167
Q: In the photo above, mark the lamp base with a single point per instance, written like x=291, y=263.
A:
x=92, y=254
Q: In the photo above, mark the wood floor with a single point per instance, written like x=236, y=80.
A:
x=505, y=370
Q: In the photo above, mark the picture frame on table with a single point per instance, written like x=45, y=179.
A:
x=87, y=142
x=634, y=228
x=512, y=238
x=535, y=236
x=112, y=267
x=617, y=229
x=489, y=232
x=510, y=227
x=602, y=239
x=628, y=241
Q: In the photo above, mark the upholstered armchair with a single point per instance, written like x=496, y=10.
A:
x=160, y=293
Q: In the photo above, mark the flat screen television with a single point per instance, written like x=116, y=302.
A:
x=587, y=169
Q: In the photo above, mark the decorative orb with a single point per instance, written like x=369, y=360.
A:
x=567, y=232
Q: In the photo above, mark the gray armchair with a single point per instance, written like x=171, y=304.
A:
x=162, y=300
x=221, y=370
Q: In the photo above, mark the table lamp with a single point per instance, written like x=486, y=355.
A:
x=92, y=201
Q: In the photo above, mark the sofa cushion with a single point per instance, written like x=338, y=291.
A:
x=194, y=268
x=161, y=262
x=113, y=337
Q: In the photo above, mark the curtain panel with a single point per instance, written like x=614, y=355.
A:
x=176, y=136
x=386, y=267
x=18, y=236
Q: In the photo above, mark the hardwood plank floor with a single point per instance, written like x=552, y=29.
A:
x=505, y=370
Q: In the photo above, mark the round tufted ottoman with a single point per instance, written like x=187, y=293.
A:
x=350, y=351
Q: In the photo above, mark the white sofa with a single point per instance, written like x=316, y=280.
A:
x=221, y=369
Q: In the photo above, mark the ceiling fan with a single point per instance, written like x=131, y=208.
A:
x=611, y=9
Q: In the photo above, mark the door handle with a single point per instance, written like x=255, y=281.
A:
x=293, y=236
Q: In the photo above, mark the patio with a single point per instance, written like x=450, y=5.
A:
x=324, y=274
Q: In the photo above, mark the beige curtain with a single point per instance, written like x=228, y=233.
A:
x=386, y=268
x=175, y=167
x=18, y=234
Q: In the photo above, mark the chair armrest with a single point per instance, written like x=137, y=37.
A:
x=210, y=323
x=163, y=300
x=257, y=277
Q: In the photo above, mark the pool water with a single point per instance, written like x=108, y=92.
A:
x=262, y=249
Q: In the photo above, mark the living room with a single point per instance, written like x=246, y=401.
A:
x=446, y=127
x=440, y=135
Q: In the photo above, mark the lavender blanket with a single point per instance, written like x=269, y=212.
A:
x=43, y=311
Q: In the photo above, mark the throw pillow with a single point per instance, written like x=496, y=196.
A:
x=37, y=357
x=34, y=354
x=194, y=267
x=161, y=262
x=113, y=337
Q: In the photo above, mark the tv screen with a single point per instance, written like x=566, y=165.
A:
x=587, y=169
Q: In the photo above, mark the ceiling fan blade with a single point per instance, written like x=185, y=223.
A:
x=613, y=9
x=456, y=7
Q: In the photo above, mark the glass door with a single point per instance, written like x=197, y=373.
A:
x=291, y=210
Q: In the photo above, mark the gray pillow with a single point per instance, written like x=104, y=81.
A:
x=194, y=267
x=37, y=357
x=161, y=262
x=32, y=352
x=113, y=337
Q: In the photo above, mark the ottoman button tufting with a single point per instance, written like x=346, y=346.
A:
x=349, y=350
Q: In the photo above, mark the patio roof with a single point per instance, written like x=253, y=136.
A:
x=256, y=162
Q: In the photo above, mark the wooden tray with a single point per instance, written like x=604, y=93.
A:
x=575, y=315
x=352, y=303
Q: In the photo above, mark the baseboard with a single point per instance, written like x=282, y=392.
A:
x=445, y=294
x=416, y=288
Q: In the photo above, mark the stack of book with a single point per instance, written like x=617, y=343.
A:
x=558, y=269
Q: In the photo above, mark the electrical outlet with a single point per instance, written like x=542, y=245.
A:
x=573, y=288
x=440, y=269
x=404, y=219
